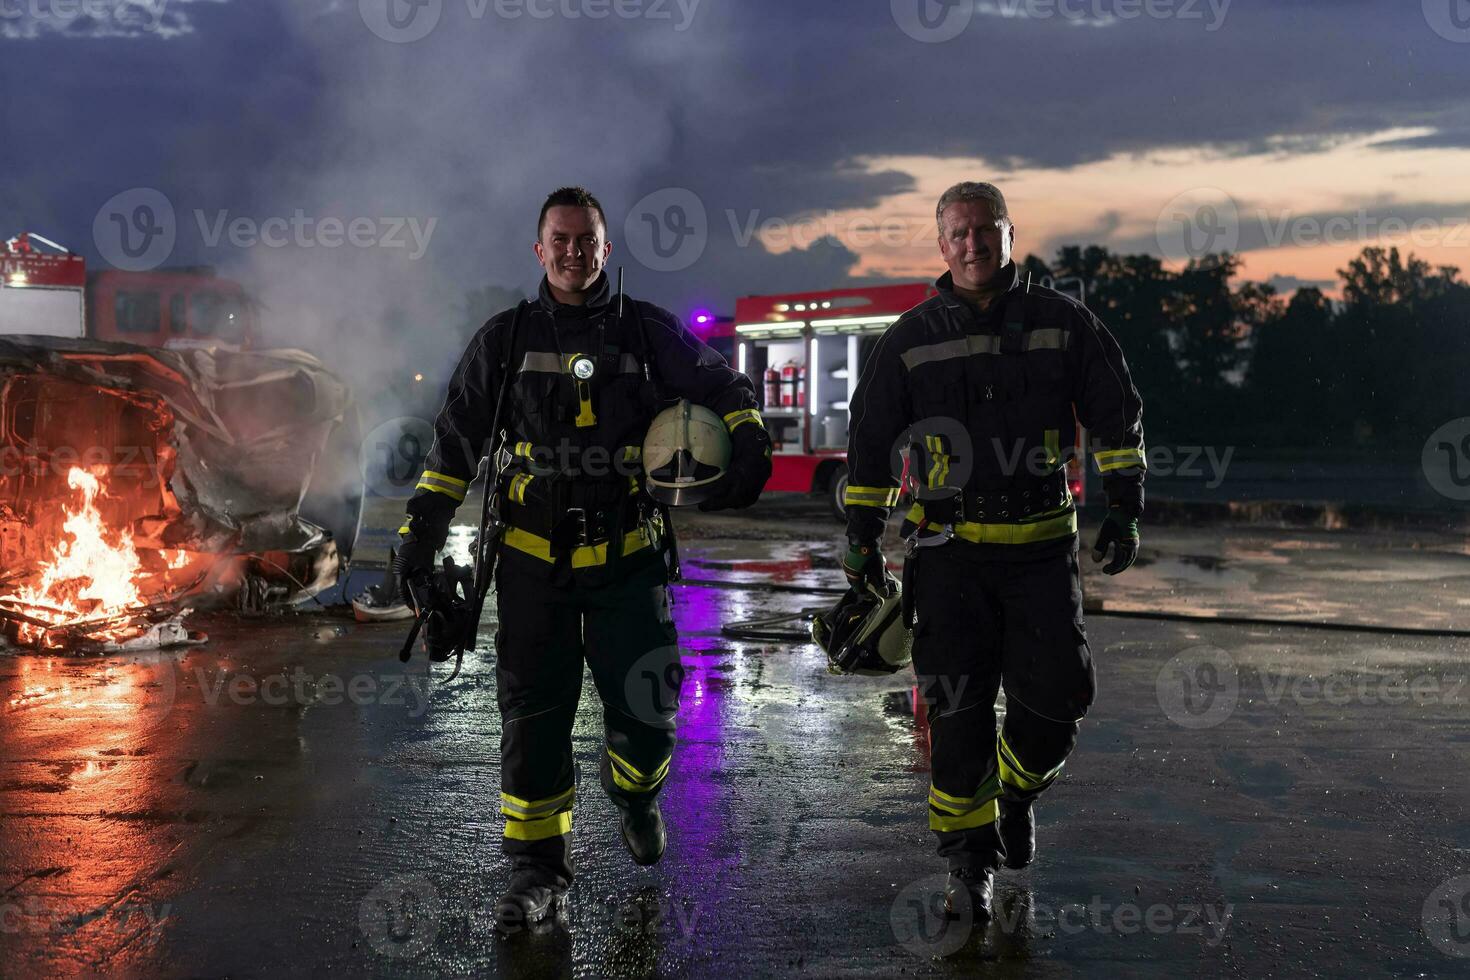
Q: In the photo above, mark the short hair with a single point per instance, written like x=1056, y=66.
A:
x=570, y=197
x=971, y=190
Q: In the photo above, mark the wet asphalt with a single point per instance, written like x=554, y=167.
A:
x=1246, y=800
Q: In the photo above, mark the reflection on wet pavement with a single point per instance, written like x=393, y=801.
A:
x=290, y=801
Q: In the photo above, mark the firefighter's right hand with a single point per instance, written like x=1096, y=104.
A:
x=864, y=565
x=413, y=562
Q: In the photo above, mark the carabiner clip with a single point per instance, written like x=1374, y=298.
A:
x=913, y=542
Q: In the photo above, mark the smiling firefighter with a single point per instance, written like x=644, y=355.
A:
x=583, y=570
x=985, y=382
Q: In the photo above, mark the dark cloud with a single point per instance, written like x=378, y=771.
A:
x=761, y=108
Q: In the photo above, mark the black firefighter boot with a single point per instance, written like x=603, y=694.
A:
x=643, y=831
x=1017, y=832
x=970, y=888
x=531, y=897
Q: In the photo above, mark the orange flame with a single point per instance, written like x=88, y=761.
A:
x=92, y=574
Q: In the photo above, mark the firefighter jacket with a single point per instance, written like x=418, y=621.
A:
x=585, y=386
x=987, y=404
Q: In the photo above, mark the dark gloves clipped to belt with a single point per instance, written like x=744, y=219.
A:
x=864, y=565
x=1120, y=532
x=750, y=468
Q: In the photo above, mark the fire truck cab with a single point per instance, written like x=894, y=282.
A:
x=46, y=291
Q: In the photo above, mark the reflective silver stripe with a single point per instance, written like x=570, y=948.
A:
x=545, y=362
x=542, y=362
x=1052, y=338
x=513, y=806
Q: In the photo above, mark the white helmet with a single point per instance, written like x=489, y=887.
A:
x=685, y=454
x=864, y=633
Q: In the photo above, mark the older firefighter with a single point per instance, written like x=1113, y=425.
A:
x=582, y=574
x=983, y=381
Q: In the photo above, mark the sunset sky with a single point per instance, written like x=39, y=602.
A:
x=737, y=132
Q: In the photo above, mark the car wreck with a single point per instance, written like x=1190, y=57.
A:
x=139, y=483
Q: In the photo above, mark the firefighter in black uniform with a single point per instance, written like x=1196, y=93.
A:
x=582, y=574
x=986, y=382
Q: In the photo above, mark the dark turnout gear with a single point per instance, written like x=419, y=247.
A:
x=970, y=891
x=1017, y=825
x=625, y=633
x=986, y=401
x=531, y=897
x=580, y=577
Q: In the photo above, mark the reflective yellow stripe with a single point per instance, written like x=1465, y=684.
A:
x=440, y=483
x=1053, y=449
x=961, y=801
x=552, y=826
x=741, y=417
x=1118, y=459
x=631, y=454
x=1011, y=771
x=1052, y=524
x=975, y=818
x=518, y=487
x=404, y=530
x=634, y=781
x=523, y=449
x=869, y=496
x=585, y=557
x=514, y=806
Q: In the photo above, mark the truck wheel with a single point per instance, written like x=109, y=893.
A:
x=837, y=489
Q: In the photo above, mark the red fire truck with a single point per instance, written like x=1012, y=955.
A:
x=805, y=352
x=45, y=290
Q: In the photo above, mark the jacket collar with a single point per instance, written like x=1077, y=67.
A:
x=597, y=301
x=1011, y=275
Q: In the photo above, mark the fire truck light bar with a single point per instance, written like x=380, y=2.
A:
x=856, y=321
x=792, y=326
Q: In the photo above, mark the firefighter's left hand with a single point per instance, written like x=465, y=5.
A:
x=1120, y=532
x=750, y=468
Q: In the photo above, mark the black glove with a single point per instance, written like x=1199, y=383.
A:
x=864, y=565
x=1121, y=532
x=750, y=468
x=413, y=562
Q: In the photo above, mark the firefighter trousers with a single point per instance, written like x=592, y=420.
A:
x=624, y=632
x=983, y=624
